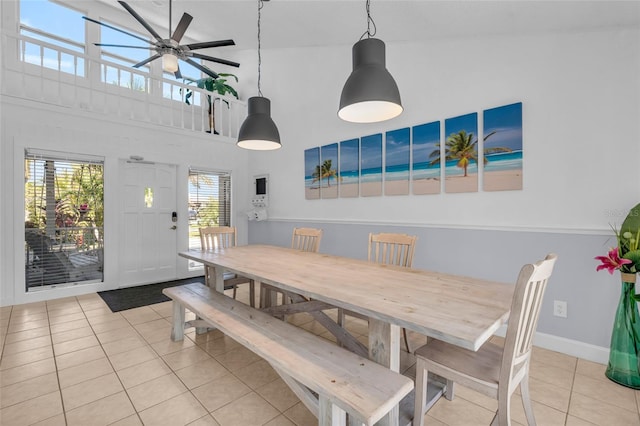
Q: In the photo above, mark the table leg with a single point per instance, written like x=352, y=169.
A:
x=384, y=348
x=216, y=276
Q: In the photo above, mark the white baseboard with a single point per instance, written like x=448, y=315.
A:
x=575, y=348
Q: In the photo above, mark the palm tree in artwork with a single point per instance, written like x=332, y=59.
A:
x=324, y=171
x=461, y=146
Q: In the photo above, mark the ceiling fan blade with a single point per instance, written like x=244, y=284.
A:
x=212, y=59
x=141, y=20
x=117, y=29
x=182, y=27
x=178, y=74
x=120, y=45
x=204, y=45
x=146, y=61
x=201, y=68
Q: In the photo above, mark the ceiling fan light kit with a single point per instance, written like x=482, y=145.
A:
x=169, y=62
x=370, y=94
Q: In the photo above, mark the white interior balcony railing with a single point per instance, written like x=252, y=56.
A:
x=44, y=72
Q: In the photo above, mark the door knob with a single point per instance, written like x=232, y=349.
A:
x=173, y=227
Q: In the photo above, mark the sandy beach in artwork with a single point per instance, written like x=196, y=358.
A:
x=426, y=186
x=502, y=180
x=499, y=180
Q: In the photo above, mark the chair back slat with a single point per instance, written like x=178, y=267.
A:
x=306, y=239
x=525, y=312
x=216, y=237
x=392, y=249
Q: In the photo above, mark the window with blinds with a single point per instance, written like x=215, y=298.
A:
x=64, y=219
x=209, y=202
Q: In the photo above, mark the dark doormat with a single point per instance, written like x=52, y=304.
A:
x=135, y=297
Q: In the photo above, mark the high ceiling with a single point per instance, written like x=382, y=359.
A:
x=300, y=23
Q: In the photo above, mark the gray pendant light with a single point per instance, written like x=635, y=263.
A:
x=370, y=93
x=258, y=131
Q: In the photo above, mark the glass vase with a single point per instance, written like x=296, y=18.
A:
x=625, y=338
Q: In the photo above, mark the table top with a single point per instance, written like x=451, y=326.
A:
x=460, y=310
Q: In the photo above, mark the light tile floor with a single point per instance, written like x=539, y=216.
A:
x=72, y=361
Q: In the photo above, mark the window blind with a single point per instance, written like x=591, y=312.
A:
x=64, y=219
x=209, y=202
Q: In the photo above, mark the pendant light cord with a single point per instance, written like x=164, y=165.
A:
x=260, y=6
x=370, y=23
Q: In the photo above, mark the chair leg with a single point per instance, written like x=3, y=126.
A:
x=450, y=390
x=406, y=340
x=252, y=293
x=503, y=416
x=421, y=393
x=235, y=290
x=526, y=400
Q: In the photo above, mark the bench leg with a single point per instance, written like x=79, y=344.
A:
x=330, y=414
x=177, y=332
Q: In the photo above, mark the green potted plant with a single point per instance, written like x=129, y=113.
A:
x=216, y=85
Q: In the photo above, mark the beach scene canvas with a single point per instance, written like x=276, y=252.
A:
x=349, y=170
x=327, y=173
x=461, y=153
x=502, y=166
x=426, y=158
x=311, y=164
x=371, y=166
x=397, y=160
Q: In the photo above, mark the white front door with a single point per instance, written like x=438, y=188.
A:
x=147, y=247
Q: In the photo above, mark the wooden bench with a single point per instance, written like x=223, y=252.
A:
x=328, y=379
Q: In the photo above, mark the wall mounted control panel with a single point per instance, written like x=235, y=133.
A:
x=260, y=198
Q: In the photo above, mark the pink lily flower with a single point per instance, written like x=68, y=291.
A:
x=611, y=261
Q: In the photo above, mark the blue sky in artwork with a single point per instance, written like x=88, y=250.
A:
x=468, y=123
x=330, y=152
x=506, y=121
x=371, y=151
x=425, y=139
x=397, y=147
x=349, y=155
x=311, y=160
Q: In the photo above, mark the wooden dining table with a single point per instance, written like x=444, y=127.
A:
x=457, y=309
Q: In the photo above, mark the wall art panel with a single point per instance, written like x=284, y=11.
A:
x=311, y=168
x=461, y=153
x=502, y=166
x=349, y=171
x=426, y=165
x=329, y=171
x=397, y=159
x=371, y=165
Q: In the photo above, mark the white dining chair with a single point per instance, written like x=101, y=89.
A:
x=218, y=237
x=303, y=239
x=388, y=249
x=493, y=370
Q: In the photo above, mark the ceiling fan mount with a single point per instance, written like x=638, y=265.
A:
x=171, y=46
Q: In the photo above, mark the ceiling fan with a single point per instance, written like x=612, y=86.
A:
x=170, y=49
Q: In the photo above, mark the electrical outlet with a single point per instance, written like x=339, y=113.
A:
x=560, y=308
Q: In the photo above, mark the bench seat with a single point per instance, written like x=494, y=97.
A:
x=342, y=380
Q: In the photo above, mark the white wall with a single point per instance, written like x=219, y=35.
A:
x=581, y=103
x=28, y=124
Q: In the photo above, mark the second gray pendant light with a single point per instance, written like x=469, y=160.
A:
x=370, y=93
